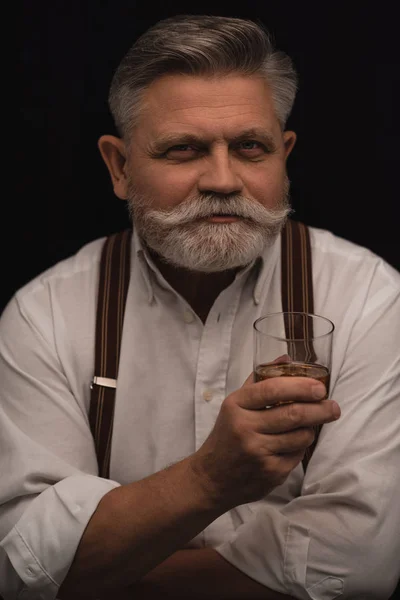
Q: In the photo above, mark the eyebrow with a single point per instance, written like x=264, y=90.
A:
x=165, y=141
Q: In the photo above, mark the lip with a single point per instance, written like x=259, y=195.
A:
x=222, y=219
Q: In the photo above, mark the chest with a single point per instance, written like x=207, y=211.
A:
x=174, y=374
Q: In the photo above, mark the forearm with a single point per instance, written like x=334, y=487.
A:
x=134, y=528
x=201, y=575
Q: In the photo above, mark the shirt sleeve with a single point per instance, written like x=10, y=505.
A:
x=49, y=486
x=341, y=537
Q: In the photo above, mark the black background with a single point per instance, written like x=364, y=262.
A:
x=343, y=168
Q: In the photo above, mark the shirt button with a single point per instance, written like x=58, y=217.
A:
x=188, y=316
x=207, y=395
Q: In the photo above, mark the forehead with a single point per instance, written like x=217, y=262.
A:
x=209, y=106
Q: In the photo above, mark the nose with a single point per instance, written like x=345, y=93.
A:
x=219, y=175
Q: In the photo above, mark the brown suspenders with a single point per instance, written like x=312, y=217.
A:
x=297, y=288
x=113, y=289
x=297, y=295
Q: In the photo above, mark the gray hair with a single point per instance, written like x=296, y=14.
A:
x=200, y=45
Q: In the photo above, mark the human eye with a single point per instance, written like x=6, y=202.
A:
x=251, y=148
x=182, y=152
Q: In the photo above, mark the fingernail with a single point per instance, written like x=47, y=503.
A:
x=319, y=391
x=335, y=409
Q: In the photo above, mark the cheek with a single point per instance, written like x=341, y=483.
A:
x=265, y=188
x=167, y=187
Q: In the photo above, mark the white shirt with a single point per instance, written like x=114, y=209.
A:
x=333, y=533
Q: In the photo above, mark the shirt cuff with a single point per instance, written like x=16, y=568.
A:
x=43, y=543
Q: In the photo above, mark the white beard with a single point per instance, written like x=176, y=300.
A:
x=180, y=238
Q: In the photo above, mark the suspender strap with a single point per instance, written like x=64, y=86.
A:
x=297, y=292
x=297, y=285
x=113, y=289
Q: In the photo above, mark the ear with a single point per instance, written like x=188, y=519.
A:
x=289, y=140
x=113, y=152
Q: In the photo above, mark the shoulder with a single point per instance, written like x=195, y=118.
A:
x=85, y=260
x=345, y=258
x=71, y=272
x=352, y=284
x=68, y=286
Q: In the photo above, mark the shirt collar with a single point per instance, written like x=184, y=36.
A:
x=144, y=263
x=266, y=265
x=261, y=268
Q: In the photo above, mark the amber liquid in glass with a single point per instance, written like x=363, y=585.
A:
x=293, y=369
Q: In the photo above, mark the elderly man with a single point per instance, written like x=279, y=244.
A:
x=204, y=494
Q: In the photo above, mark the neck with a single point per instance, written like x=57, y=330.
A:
x=199, y=289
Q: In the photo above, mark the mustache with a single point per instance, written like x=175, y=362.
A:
x=203, y=206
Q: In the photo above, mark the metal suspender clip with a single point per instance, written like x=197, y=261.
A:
x=104, y=381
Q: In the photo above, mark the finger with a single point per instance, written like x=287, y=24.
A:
x=291, y=442
x=280, y=389
x=282, y=359
x=285, y=463
x=289, y=417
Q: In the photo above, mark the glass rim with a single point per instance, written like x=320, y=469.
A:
x=293, y=312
